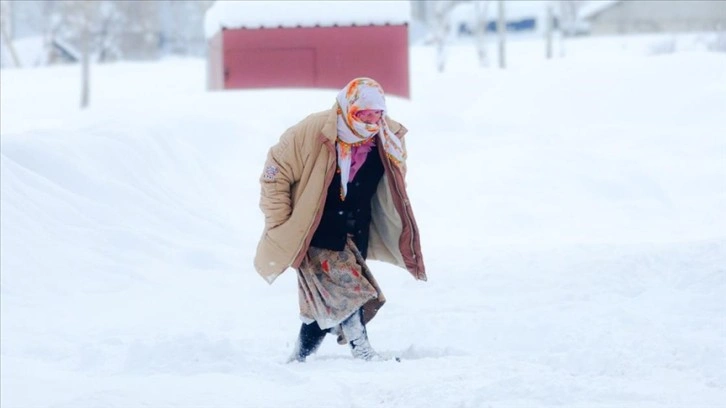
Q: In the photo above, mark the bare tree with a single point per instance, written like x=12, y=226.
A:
x=52, y=26
x=74, y=22
x=182, y=27
x=106, y=30
x=67, y=23
x=441, y=32
x=502, y=30
x=118, y=29
x=568, y=20
x=6, y=33
x=441, y=29
x=6, y=16
x=480, y=30
x=140, y=35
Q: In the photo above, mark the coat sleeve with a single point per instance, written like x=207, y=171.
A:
x=400, y=131
x=281, y=171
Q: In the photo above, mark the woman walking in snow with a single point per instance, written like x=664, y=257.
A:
x=333, y=195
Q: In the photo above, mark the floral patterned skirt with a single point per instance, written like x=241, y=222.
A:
x=334, y=284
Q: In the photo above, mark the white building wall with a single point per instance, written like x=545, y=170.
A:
x=648, y=16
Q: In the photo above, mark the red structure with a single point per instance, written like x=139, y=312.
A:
x=309, y=57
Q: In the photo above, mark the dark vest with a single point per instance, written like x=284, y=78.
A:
x=352, y=215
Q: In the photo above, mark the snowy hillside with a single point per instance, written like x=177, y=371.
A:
x=573, y=219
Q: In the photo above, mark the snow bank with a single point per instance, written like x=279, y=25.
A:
x=572, y=215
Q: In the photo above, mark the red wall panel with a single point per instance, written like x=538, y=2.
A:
x=321, y=57
x=262, y=67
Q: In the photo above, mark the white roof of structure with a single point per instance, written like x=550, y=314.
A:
x=282, y=13
x=593, y=7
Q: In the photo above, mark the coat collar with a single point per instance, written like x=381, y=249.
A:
x=330, y=128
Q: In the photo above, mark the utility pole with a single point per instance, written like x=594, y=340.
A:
x=481, y=22
x=86, y=45
x=502, y=30
x=563, y=24
x=548, y=34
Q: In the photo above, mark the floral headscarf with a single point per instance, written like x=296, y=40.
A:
x=362, y=94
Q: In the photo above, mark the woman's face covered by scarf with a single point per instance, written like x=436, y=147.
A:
x=361, y=116
x=362, y=105
x=369, y=116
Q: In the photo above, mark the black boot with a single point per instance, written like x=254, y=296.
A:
x=355, y=332
x=310, y=338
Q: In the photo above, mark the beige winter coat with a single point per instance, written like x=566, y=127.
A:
x=297, y=173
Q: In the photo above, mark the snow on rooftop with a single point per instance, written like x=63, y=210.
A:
x=591, y=8
x=258, y=14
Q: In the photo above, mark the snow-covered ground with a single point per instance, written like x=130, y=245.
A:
x=573, y=214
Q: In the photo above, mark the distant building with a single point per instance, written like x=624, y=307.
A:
x=609, y=17
x=522, y=16
x=308, y=44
